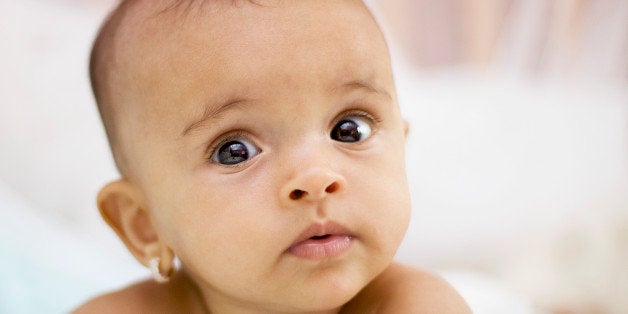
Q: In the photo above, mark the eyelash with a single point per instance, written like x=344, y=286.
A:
x=358, y=113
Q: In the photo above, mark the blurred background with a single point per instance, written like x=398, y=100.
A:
x=517, y=153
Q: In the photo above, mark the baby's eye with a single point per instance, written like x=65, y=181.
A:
x=234, y=152
x=351, y=129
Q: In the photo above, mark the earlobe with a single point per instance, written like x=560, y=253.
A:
x=122, y=208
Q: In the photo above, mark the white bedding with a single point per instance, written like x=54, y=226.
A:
x=46, y=267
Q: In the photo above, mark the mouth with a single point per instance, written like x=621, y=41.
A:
x=320, y=241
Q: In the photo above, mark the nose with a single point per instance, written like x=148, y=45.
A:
x=313, y=184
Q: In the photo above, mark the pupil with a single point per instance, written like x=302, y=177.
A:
x=233, y=153
x=347, y=131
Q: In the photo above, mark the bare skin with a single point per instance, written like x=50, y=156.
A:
x=399, y=289
x=263, y=146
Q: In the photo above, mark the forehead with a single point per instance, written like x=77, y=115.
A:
x=214, y=50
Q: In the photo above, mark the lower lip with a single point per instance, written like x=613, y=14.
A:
x=330, y=246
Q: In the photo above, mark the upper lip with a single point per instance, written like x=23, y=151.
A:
x=322, y=229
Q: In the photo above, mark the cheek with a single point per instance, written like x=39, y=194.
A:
x=219, y=230
x=384, y=186
x=217, y=213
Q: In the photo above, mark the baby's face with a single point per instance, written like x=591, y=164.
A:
x=269, y=148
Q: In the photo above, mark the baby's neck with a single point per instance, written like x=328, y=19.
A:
x=194, y=301
x=181, y=296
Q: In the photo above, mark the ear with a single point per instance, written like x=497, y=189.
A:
x=406, y=128
x=122, y=207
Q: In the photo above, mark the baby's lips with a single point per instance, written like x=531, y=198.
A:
x=322, y=229
x=329, y=246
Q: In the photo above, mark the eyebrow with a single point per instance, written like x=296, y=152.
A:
x=363, y=85
x=213, y=112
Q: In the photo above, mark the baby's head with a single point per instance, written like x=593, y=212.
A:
x=259, y=141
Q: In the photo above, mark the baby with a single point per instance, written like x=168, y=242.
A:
x=259, y=142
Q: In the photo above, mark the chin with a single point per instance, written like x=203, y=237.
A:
x=331, y=291
x=331, y=302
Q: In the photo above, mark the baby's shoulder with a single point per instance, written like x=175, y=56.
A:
x=404, y=289
x=142, y=297
x=410, y=289
x=136, y=298
x=176, y=296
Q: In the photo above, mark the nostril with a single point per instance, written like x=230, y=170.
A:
x=297, y=194
x=332, y=188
